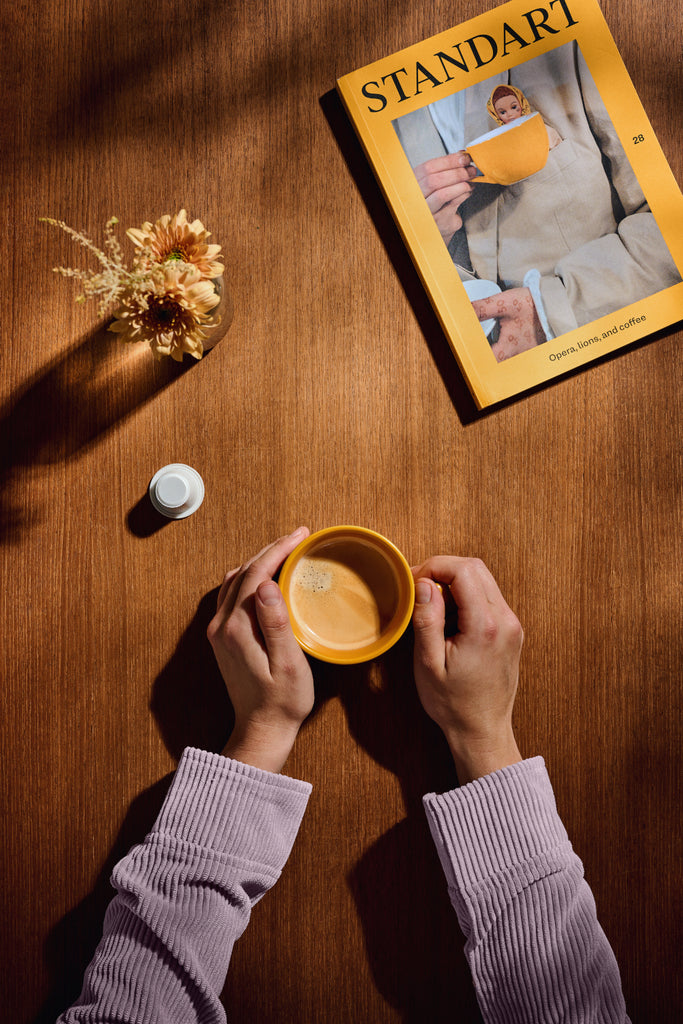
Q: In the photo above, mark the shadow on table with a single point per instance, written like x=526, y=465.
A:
x=413, y=941
x=371, y=194
x=63, y=410
x=143, y=520
x=191, y=706
x=70, y=946
x=189, y=699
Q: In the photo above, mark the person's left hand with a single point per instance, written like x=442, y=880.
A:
x=267, y=675
x=445, y=182
x=519, y=326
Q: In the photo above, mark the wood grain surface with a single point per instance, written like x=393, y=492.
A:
x=333, y=398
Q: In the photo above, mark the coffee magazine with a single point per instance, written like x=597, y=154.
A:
x=567, y=244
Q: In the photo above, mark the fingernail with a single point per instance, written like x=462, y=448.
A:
x=269, y=593
x=423, y=592
x=298, y=531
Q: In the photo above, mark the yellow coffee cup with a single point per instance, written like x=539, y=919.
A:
x=512, y=152
x=349, y=592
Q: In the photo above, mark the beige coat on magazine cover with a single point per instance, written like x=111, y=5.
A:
x=582, y=221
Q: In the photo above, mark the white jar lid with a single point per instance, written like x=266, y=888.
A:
x=176, y=490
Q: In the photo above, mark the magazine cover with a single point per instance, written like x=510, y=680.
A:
x=529, y=188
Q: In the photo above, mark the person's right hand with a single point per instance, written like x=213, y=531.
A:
x=467, y=682
x=445, y=184
x=267, y=674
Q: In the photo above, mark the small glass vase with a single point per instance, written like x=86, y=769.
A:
x=221, y=315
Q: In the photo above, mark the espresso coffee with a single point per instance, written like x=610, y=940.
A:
x=344, y=594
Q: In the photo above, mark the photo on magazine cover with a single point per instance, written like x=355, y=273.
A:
x=536, y=201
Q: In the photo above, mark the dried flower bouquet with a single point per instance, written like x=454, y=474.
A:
x=168, y=297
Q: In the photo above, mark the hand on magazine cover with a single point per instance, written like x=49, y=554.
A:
x=445, y=184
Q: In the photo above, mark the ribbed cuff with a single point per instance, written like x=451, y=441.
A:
x=495, y=823
x=232, y=808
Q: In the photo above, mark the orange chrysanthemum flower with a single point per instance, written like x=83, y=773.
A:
x=175, y=239
x=170, y=315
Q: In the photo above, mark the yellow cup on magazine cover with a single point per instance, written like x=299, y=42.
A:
x=512, y=152
x=349, y=592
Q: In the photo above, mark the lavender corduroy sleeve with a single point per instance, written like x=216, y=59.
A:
x=533, y=942
x=184, y=895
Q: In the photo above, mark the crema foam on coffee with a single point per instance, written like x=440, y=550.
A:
x=344, y=595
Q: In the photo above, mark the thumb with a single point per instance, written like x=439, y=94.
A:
x=429, y=618
x=273, y=618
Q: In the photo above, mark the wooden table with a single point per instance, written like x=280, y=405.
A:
x=333, y=398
